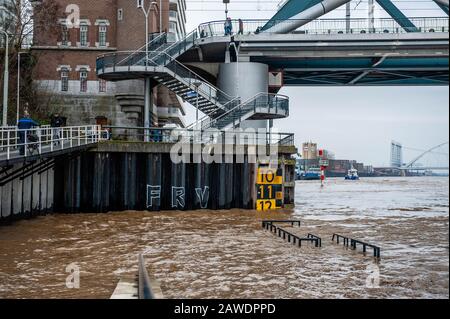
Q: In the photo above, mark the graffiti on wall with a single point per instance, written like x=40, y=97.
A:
x=178, y=196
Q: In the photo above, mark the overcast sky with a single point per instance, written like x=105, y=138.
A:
x=354, y=123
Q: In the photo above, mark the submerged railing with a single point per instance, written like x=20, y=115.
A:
x=353, y=242
x=16, y=143
x=328, y=26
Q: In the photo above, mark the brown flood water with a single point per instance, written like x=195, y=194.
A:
x=226, y=254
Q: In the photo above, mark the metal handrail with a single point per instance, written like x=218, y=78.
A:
x=144, y=285
x=247, y=102
x=46, y=139
x=195, y=75
x=327, y=26
x=210, y=115
x=164, y=135
x=177, y=43
x=142, y=49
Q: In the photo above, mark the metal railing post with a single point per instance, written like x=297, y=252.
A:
x=7, y=143
x=39, y=134
x=79, y=135
x=26, y=143
x=51, y=139
x=71, y=137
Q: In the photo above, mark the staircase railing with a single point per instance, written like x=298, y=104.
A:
x=190, y=78
x=272, y=103
x=181, y=46
x=155, y=43
x=229, y=106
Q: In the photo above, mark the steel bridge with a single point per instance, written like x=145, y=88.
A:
x=326, y=53
x=412, y=165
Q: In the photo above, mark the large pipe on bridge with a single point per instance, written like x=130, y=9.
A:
x=307, y=16
x=444, y=3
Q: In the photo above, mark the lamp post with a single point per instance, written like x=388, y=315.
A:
x=141, y=5
x=226, y=2
x=18, y=84
x=5, y=80
x=147, y=86
x=160, y=16
x=197, y=85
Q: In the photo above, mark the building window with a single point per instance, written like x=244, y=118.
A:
x=65, y=35
x=140, y=3
x=102, y=86
x=83, y=80
x=102, y=31
x=64, y=80
x=120, y=14
x=172, y=27
x=173, y=14
x=84, y=35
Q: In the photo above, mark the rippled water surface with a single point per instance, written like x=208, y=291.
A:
x=227, y=254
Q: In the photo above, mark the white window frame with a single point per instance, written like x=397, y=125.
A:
x=65, y=80
x=103, y=35
x=84, y=73
x=84, y=35
x=102, y=86
x=65, y=36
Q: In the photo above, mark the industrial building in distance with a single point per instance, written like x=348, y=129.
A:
x=337, y=167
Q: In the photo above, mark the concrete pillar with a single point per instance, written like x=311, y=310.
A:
x=17, y=196
x=36, y=184
x=244, y=79
x=50, y=189
x=6, y=200
x=27, y=185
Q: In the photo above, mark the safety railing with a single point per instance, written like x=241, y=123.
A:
x=144, y=283
x=290, y=237
x=156, y=41
x=16, y=143
x=179, y=47
x=327, y=26
x=162, y=59
x=353, y=242
x=261, y=103
x=191, y=79
x=176, y=135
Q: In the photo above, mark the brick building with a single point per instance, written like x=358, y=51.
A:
x=66, y=74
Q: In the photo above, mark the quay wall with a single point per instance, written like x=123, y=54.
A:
x=102, y=182
x=26, y=195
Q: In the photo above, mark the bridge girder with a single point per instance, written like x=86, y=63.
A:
x=308, y=10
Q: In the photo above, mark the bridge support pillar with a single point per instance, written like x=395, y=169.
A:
x=245, y=79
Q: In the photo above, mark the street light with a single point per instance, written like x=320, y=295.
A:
x=147, y=86
x=18, y=83
x=141, y=5
x=5, y=80
x=197, y=85
x=226, y=2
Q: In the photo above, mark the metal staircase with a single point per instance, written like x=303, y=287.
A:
x=261, y=106
x=158, y=60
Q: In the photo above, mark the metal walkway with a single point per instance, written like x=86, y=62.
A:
x=26, y=145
